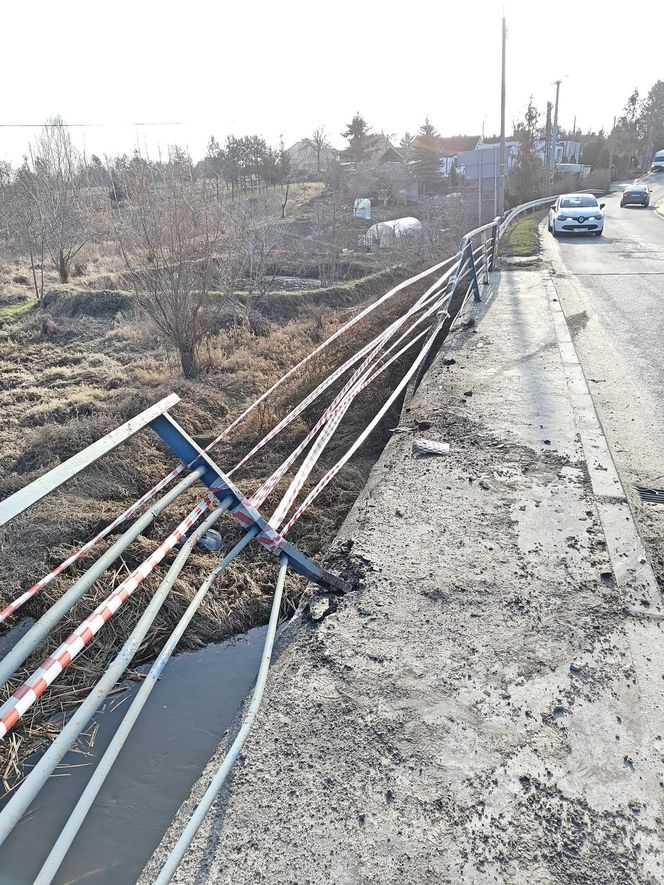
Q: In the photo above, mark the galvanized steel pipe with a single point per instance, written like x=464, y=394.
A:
x=38, y=632
x=197, y=818
x=99, y=775
x=24, y=795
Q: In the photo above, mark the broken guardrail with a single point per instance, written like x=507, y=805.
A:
x=463, y=275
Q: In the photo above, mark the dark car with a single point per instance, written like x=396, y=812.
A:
x=636, y=195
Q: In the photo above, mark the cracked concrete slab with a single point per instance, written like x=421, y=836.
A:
x=488, y=704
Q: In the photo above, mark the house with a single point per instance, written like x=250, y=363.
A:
x=456, y=144
x=304, y=157
x=573, y=169
x=379, y=150
x=566, y=151
x=483, y=162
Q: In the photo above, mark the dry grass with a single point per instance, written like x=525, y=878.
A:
x=64, y=385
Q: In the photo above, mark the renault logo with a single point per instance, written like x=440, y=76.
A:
x=581, y=219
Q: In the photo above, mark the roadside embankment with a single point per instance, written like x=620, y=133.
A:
x=487, y=705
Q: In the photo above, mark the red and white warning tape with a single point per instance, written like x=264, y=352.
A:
x=432, y=293
x=333, y=415
x=25, y=695
x=332, y=472
x=15, y=604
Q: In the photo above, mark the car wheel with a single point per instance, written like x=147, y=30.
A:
x=622, y=205
x=555, y=233
x=646, y=204
x=598, y=233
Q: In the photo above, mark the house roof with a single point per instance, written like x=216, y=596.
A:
x=454, y=144
x=377, y=145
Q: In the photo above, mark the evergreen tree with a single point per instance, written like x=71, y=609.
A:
x=428, y=130
x=524, y=182
x=357, y=132
x=427, y=153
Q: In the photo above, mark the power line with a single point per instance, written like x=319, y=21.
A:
x=79, y=125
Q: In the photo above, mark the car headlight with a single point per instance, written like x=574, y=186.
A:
x=562, y=218
x=598, y=217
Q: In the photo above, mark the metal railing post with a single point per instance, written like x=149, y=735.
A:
x=473, y=272
x=485, y=259
x=494, y=242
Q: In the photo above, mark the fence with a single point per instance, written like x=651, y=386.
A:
x=418, y=329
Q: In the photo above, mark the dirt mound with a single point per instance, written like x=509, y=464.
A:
x=105, y=303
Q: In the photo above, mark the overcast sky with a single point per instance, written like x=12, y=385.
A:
x=282, y=68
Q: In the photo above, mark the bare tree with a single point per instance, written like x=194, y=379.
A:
x=264, y=238
x=168, y=241
x=318, y=142
x=56, y=193
x=22, y=224
x=327, y=241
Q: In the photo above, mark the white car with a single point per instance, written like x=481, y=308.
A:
x=576, y=213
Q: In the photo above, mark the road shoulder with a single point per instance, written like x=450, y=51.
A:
x=488, y=704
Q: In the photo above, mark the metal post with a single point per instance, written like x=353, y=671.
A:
x=39, y=631
x=611, y=143
x=554, y=144
x=170, y=432
x=479, y=190
x=547, y=147
x=494, y=243
x=180, y=848
x=473, y=271
x=30, y=787
x=501, y=151
x=485, y=259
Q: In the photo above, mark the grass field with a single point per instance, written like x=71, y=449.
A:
x=522, y=238
x=75, y=369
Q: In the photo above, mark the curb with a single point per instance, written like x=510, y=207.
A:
x=629, y=559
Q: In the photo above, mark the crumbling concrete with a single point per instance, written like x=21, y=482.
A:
x=488, y=704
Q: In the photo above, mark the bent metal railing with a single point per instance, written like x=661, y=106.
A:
x=421, y=324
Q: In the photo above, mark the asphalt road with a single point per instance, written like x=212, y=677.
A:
x=612, y=291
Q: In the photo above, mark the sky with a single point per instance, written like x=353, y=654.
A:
x=280, y=69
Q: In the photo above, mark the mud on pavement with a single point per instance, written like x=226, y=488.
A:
x=486, y=704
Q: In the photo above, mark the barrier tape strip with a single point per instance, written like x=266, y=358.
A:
x=332, y=418
x=268, y=485
x=332, y=472
x=15, y=604
x=290, y=495
x=34, y=687
x=278, y=517
x=295, y=412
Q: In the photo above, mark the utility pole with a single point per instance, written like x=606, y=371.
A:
x=611, y=140
x=554, y=140
x=547, y=147
x=479, y=188
x=501, y=150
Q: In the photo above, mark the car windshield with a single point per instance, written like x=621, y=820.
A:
x=581, y=202
x=636, y=190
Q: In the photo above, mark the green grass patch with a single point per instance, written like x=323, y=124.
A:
x=522, y=237
x=14, y=311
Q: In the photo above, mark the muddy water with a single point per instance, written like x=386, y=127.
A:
x=180, y=726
